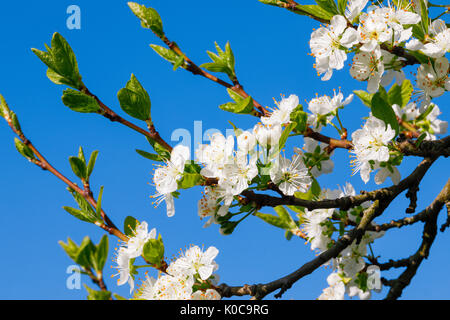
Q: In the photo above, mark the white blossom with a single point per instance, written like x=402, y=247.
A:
x=367, y=66
x=291, y=176
x=281, y=115
x=326, y=45
x=165, y=177
x=439, y=41
x=433, y=80
x=195, y=263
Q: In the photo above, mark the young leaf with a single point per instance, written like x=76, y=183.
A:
x=223, y=61
x=80, y=215
x=314, y=10
x=241, y=105
x=61, y=61
x=153, y=251
x=424, y=16
x=98, y=209
x=328, y=5
x=91, y=164
x=129, y=225
x=149, y=17
x=78, y=167
x=86, y=253
x=382, y=110
x=273, y=220
x=285, y=216
x=342, y=5
x=400, y=95
x=97, y=294
x=134, y=100
x=70, y=248
x=23, y=149
x=80, y=102
x=101, y=254
x=365, y=97
x=300, y=117
x=189, y=180
x=166, y=54
x=148, y=155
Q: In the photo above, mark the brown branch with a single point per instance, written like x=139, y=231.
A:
x=426, y=148
x=196, y=70
x=447, y=222
x=97, y=279
x=344, y=203
x=45, y=165
x=382, y=198
x=332, y=143
x=428, y=237
x=114, y=117
x=261, y=290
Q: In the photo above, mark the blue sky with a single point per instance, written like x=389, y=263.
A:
x=270, y=46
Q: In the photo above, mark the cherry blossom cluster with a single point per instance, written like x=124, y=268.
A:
x=350, y=274
x=190, y=277
x=193, y=269
x=378, y=30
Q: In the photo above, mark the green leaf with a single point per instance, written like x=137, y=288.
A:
x=70, y=248
x=342, y=5
x=418, y=32
x=4, y=109
x=97, y=294
x=102, y=253
x=78, y=167
x=424, y=16
x=86, y=209
x=365, y=97
x=165, y=53
x=159, y=149
x=149, y=17
x=134, y=100
x=315, y=11
x=425, y=114
x=86, y=253
x=190, y=180
x=285, y=216
x=328, y=5
x=153, y=251
x=223, y=61
x=61, y=61
x=98, y=209
x=285, y=135
x=80, y=102
x=129, y=225
x=23, y=149
x=80, y=215
x=400, y=95
x=64, y=58
x=81, y=155
x=382, y=110
x=316, y=190
x=241, y=105
x=300, y=117
x=91, y=163
x=150, y=156
x=273, y=220
x=313, y=192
